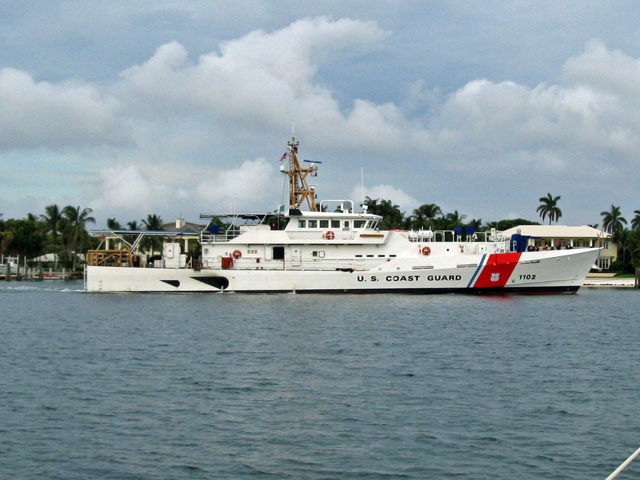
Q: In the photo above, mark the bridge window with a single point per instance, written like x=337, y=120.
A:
x=313, y=224
x=324, y=223
x=335, y=223
x=359, y=223
x=302, y=223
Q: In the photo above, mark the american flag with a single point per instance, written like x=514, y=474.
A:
x=283, y=156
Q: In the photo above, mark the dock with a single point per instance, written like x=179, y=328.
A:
x=609, y=280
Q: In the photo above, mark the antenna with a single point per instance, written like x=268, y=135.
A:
x=364, y=208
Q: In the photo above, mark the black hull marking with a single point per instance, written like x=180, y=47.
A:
x=217, y=282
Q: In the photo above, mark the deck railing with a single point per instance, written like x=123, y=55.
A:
x=208, y=237
x=111, y=258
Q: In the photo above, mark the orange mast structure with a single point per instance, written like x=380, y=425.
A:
x=299, y=189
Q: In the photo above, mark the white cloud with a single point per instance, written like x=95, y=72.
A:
x=248, y=186
x=237, y=101
x=36, y=115
x=591, y=119
x=386, y=192
x=264, y=80
x=124, y=188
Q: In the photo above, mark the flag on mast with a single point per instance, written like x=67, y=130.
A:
x=283, y=156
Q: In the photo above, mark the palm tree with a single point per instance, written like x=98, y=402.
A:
x=153, y=222
x=454, y=219
x=392, y=217
x=5, y=240
x=133, y=225
x=53, y=221
x=622, y=237
x=424, y=215
x=113, y=224
x=635, y=223
x=77, y=220
x=549, y=208
x=612, y=220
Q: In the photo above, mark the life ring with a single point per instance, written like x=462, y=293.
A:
x=426, y=251
x=236, y=254
x=329, y=235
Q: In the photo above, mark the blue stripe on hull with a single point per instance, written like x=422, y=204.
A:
x=475, y=274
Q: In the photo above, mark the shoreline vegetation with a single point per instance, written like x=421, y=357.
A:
x=61, y=234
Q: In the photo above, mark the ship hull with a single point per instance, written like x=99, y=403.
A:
x=529, y=272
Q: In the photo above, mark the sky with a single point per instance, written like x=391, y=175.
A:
x=182, y=108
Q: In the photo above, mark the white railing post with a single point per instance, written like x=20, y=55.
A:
x=624, y=464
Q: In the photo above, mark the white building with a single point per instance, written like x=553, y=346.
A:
x=564, y=236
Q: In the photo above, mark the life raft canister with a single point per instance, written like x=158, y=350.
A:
x=426, y=250
x=329, y=235
x=236, y=254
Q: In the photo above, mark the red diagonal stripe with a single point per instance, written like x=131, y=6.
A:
x=497, y=270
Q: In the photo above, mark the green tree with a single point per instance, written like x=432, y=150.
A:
x=549, y=208
x=635, y=248
x=612, y=220
x=113, y=224
x=424, y=215
x=623, y=239
x=6, y=237
x=453, y=219
x=635, y=223
x=77, y=220
x=133, y=225
x=506, y=224
x=26, y=238
x=153, y=223
x=53, y=226
x=391, y=215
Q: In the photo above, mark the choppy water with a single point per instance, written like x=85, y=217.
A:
x=316, y=387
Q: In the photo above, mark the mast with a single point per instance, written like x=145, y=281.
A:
x=299, y=189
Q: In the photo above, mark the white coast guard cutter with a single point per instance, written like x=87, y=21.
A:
x=317, y=251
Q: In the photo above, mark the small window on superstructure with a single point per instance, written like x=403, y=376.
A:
x=313, y=224
x=345, y=225
x=335, y=223
x=324, y=223
x=359, y=224
x=302, y=223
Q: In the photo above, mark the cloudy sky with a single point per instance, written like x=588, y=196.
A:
x=182, y=108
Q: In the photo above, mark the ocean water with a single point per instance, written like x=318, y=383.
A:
x=229, y=386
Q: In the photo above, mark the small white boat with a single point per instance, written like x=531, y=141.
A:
x=9, y=265
x=318, y=250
